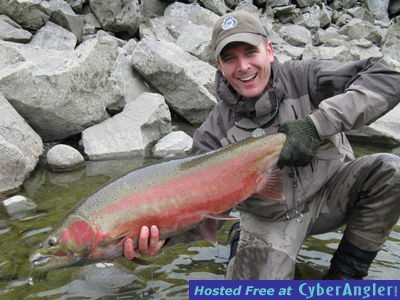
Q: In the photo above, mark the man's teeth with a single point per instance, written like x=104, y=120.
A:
x=248, y=78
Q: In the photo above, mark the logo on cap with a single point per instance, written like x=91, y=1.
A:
x=229, y=23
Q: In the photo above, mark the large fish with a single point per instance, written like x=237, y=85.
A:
x=176, y=196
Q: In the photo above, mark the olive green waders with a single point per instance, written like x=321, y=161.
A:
x=364, y=195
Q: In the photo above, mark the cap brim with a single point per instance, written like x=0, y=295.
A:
x=244, y=37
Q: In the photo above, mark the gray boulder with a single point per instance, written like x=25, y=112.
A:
x=127, y=80
x=186, y=82
x=358, y=29
x=18, y=205
x=30, y=14
x=216, y=6
x=12, y=31
x=118, y=15
x=296, y=35
x=196, y=39
x=391, y=41
x=131, y=132
x=193, y=12
x=63, y=158
x=53, y=36
x=389, y=124
x=63, y=15
x=379, y=9
x=60, y=93
x=176, y=143
x=20, y=148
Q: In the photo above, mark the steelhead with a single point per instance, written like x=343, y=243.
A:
x=176, y=196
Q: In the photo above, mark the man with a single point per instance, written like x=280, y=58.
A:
x=310, y=101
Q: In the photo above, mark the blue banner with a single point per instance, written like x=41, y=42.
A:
x=294, y=289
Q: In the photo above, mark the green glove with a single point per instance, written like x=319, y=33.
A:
x=301, y=144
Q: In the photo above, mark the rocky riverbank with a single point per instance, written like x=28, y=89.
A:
x=115, y=73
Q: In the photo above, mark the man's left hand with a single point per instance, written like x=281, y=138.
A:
x=301, y=144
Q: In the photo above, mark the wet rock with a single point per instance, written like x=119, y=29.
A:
x=64, y=158
x=18, y=204
x=177, y=143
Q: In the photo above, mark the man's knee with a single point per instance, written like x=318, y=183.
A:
x=256, y=259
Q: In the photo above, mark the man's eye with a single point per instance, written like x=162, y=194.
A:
x=252, y=51
x=227, y=58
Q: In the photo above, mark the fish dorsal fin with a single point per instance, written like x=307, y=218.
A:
x=113, y=240
x=270, y=186
x=208, y=230
x=222, y=217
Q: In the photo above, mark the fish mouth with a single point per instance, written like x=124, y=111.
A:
x=49, y=261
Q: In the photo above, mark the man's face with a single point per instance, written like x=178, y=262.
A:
x=247, y=68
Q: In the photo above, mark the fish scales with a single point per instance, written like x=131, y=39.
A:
x=175, y=195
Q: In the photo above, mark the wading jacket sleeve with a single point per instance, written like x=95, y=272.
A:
x=338, y=96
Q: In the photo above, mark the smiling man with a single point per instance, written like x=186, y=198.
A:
x=311, y=101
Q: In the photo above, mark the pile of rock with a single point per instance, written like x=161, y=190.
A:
x=111, y=72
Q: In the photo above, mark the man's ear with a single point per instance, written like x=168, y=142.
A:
x=270, y=50
x=219, y=66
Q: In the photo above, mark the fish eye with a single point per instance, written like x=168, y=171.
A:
x=53, y=241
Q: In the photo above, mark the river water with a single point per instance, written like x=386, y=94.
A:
x=168, y=274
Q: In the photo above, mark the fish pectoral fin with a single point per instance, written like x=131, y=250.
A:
x=270, y=186
x=222, y=217
x=113, y=240
x=208, y=230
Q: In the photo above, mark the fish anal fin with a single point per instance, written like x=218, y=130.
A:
x=208, y=230
x=113, y=240
x=270, y=186
x=222, y=217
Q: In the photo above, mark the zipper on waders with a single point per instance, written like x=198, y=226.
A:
x=293, y=177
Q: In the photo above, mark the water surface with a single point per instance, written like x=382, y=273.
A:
x=168, y=275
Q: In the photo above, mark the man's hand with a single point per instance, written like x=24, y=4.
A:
x=301, y=144
x=148, y=243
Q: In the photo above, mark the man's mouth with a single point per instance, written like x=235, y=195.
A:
x=248, y=78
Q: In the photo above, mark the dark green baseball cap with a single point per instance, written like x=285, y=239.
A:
x=237, y=26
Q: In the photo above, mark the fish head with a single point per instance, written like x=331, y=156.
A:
x=70, y=244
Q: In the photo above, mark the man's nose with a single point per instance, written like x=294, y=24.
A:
x=243, y=64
